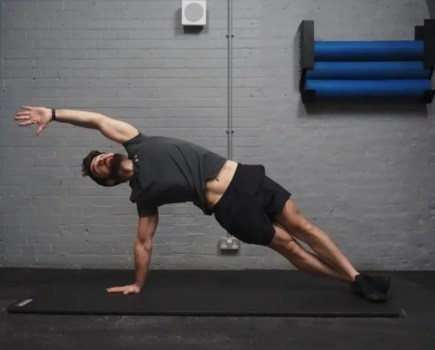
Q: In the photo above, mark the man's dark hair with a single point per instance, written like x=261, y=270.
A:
x=86, y=168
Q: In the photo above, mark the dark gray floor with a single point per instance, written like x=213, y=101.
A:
x=414, y=291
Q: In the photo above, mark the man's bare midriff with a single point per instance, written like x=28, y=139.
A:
x=216, y=187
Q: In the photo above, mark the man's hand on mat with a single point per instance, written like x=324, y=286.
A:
x=130, y=289
x=34, y=115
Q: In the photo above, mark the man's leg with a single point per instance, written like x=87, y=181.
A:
x=287, y=246
x=293, y=221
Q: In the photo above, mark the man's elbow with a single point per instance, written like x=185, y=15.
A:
x=98, y=121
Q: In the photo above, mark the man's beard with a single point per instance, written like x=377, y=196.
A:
x=116, y=168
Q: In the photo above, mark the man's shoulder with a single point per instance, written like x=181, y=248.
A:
x=137, y=140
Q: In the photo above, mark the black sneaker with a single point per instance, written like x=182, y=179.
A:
x=365, y=287
x=381, y=282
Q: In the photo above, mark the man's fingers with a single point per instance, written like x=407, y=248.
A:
x=129, y=289
x=22, y=117
x=27, y=122
x=125, y=290
x=40, y=129
x=23, y=113
x=27, y=108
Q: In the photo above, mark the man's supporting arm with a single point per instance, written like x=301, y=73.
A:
x=143, y=247
x=142, y=254
x=115, y=130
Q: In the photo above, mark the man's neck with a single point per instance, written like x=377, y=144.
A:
x=128, y=169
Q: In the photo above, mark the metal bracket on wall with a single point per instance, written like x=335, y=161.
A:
x=425, y=33
x=229, y=245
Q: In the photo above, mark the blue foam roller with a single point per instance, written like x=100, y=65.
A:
x=368, y=50
x=344, y=88
x=369, y=70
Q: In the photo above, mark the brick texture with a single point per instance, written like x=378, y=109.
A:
x=363, y=173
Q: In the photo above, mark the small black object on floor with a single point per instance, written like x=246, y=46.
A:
x=203, y=293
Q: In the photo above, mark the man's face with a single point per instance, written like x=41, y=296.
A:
x=107, y=166
x=100, y=165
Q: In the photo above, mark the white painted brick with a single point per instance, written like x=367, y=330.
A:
x=363, y=173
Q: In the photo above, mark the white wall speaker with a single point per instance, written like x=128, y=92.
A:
x=194, y=12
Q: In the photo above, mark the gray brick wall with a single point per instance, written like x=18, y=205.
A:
x=363, y=173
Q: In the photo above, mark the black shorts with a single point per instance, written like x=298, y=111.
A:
x=249, y=205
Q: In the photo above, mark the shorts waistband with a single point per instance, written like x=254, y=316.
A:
x=247, y=177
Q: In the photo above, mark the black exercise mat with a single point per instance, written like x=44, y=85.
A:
x=206, y=293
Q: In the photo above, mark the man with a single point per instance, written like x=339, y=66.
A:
x=247, y=203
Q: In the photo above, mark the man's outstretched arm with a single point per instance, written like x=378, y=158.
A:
x=142, y=254
x=115, y=130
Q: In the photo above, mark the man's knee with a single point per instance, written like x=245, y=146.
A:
x=284, y=241
x=293, y=219
x=301, y=226
x=306, y=228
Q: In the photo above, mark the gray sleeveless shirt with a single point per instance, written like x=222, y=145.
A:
x=169, y=170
